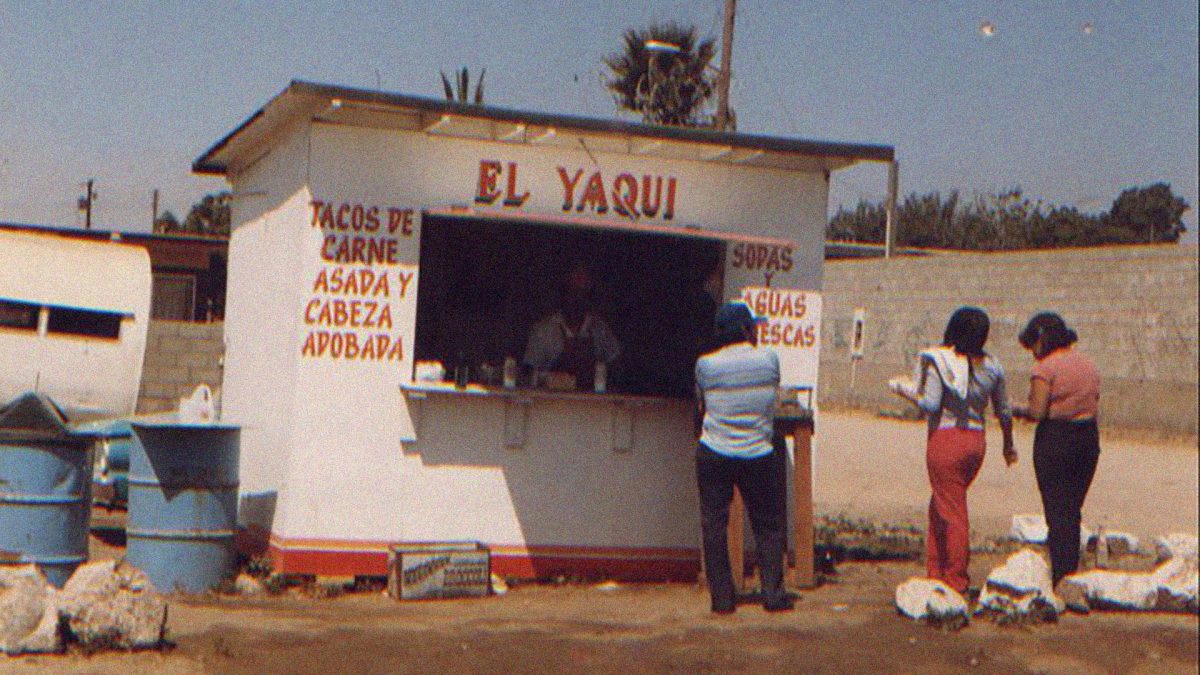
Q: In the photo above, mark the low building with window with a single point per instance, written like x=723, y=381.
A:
x=189, y=271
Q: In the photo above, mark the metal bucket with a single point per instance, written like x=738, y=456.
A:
x=45, y=488
x=183, y=485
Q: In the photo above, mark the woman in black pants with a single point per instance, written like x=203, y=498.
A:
x=1064, y=396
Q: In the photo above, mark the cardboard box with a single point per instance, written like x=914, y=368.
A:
x=438, y=570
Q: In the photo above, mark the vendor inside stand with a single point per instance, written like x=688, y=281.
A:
x=573, y=343
x=492, y=289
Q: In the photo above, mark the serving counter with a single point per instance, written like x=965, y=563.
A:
x=574, y=480
x=618, y=411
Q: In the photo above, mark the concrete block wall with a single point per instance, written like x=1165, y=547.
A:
x=1135, y=309
x=179, y=357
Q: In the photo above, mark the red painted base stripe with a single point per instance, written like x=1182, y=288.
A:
x=631, y=564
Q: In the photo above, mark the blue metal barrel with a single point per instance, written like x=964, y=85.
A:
x=45, y=488
x=183, y=485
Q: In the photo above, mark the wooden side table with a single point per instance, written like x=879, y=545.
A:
x=799, y=424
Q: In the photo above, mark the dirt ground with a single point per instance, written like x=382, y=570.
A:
x=847, y=625
x=874, y=468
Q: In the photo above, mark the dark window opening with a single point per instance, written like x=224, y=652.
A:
x=485, y=283
x=173, y=296
x=18, y=315
x=84, y=322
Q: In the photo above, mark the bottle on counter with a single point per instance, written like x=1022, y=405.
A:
x=600, y=378
x=510, y=373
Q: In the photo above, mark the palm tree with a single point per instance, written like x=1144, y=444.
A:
x=663, y=75
x=462, y=81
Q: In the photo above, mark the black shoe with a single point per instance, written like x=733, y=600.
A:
x=726, y=604
x=780, y=604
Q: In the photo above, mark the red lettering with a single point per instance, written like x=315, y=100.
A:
x=669, y=211
x=625, y=200
x=316, y=205
x=650, y=209
x=593, y=195
x=511, y=198
x=799, y=306
x=350, y=345
x=488, y=192
x=400, y=219
x=569, y=187
x=404, y=277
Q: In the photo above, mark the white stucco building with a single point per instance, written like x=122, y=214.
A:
x=374, y=230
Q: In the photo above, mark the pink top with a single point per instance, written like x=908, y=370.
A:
x=1074, y=384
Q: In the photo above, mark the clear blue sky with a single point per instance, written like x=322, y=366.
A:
x=131, y=92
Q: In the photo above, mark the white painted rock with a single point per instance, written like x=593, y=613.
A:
x=28, y=612
x=248, y=585
x=1020, y=586
x=113, y=604
x=1109, y=589
x=1176, y=581
x=920, y=598
x=1030, y=528
x=1121, y=543
x=1176, y=545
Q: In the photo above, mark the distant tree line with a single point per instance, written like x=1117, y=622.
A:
x=208, y=217
x=1010, y=220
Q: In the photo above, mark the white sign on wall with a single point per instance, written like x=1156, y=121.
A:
x=793, y=330
x=358, y=315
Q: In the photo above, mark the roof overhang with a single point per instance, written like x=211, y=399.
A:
x=376, y=109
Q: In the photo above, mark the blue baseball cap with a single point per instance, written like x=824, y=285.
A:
x=737, y=314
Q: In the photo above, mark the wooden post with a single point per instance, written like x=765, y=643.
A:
x=805, y=574
x=891, y=225
x=737, y=541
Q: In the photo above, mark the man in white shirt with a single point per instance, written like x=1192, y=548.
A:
x=736, y=390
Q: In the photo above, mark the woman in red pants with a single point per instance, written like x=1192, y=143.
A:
x=954, y=384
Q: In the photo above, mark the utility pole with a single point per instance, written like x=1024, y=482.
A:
x=85, y=203
x=891, y=225
x=726, y=73
x=153, y=209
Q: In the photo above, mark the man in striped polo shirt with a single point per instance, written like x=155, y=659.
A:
x=736, y=390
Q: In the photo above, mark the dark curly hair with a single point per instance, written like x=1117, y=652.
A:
x=1050, y=329
x=967, y=331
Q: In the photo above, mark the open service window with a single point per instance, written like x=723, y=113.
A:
x=488, y=283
